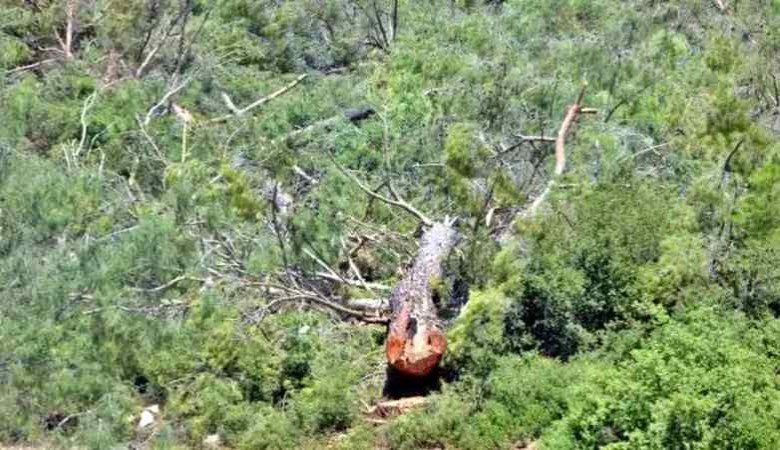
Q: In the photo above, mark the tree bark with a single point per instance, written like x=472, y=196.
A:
x=415, y=341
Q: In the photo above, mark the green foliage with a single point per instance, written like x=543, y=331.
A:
x=521, y=398
x=700, y=382
x=583, y=279
x=476, y=339
x=270, y=430
x=637, y=309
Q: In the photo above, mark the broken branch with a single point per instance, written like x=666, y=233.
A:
x=260, y=102
x=173, y=91
x=320, y=300
x=67, y=46
x=30, y=66
x=560, y=149
x=398, y=202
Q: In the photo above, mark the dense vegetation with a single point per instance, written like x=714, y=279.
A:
x=151, y=230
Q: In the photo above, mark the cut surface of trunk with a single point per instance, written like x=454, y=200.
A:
x=415, y=341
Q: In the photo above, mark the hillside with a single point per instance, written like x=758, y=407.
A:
x=257, y=224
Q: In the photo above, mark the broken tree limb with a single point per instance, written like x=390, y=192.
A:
x=322, y=301
x=241, y=111
x=398, y=202
x=354, y=115
x=522, y=140
x=287, y=293
x=272, y=96
x=560, y=150
x=66, y=44
x=354, y=283
x=724, y=178
x=184, y=12
x=415, y=341
x=171, y=92
x=30, y=66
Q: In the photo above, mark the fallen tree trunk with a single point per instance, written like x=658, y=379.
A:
x=415, y=341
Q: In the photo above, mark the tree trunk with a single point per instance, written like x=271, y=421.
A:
x=415, y=342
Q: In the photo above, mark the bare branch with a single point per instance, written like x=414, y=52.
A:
x=29, y=66
x=369, y=304
x=522, y=139
x=776, y=88
x=268, y=98
x=286, y=293
x=167, y=285
x=72, y=11
x=261, y=101
x=395, y=19
x=180, y=52
x=300, y=172
x=727, y=164
x=139, y=72
x=149, y=139
x=560, y=150
x=278, y=227
x=175, y=90
x=392, y=408
x=229, y=103
x=85, y=108
x=378, y=17
x=398, y=202
x=353, y=283
x=322, y=264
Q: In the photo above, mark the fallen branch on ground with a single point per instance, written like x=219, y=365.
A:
x=286, y=294
x=30, y=66
x=393, y=408
x=354, y=115
x=241, y=111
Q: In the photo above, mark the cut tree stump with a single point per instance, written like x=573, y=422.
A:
x=415, y=341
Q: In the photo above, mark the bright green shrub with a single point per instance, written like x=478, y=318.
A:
x=700, y=382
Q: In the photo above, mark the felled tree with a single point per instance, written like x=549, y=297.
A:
x=415, y=340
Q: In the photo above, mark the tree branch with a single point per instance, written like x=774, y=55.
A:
x=727, y=164
x=139, y=72
x=260, y=102
x=524, y=140
x=398, y=202
x=29, y=66
x=560, y=150
x=353, y=283
x=175, y=90
x=292, y=294
x=67, y=46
